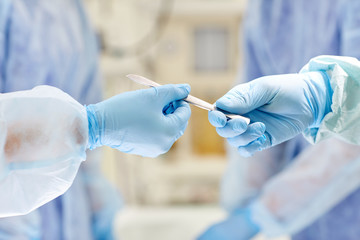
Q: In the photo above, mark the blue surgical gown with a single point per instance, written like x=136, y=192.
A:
x=52, y=43
x=281, y=36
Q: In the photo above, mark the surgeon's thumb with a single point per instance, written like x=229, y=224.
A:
x=243, y=98
x=172, y=92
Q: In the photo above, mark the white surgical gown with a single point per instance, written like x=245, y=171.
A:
x=44, y=134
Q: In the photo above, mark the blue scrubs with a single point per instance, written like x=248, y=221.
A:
x=51, y=42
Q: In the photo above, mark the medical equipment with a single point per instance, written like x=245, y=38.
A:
x=190, y=99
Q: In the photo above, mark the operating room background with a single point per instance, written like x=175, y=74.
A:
x=174, y=196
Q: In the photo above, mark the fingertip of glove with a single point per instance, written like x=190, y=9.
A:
x=217, y=119
x=252, y=148
x=240, y=125
x=260, y=127
x=186, y=87
x=263, y=127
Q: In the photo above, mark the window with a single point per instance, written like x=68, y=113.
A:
x=211, y=49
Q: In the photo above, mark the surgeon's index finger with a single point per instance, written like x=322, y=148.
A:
x=217, y=118
x=246, y=97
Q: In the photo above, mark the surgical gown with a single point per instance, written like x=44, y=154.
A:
x=52, y=43
x=315, y=197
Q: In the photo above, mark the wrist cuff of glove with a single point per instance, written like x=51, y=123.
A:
x=319, y=85
x=94, y=135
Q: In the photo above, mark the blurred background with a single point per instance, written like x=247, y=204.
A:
x=174, y=196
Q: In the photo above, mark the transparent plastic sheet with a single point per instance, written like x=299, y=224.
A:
x=320, y=177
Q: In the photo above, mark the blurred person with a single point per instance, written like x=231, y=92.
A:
x=316, y=196
x=45, y=132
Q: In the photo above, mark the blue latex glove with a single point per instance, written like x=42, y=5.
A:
x=144, y=122
x=238, y=226
x=279, y=107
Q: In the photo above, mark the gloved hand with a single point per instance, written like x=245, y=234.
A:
x=279, y=107
x=144, y=122
x=238, y=226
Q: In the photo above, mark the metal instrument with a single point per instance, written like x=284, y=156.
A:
x=190, y=99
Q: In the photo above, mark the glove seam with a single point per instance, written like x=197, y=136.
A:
x=93, y=127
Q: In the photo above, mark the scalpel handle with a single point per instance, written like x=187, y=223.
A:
x=210, y=107
x=235, y=116
x=190, y=99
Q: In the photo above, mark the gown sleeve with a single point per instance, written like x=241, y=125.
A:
x=320, y=177
x=44, y=136
x=343, y=120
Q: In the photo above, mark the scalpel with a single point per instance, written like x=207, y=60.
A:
x=190, y=99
